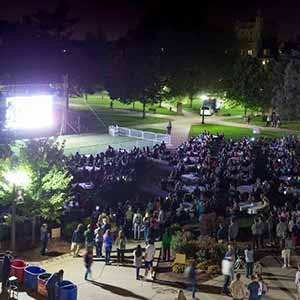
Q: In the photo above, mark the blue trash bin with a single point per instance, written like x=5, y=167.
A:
x=31, y=277
x=66, y=290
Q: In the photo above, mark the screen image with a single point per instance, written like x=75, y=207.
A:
x=29, y=112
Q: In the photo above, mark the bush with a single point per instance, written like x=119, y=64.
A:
x=180, y=245
x=69, y=228
x=4, y=231
x=175, y=227
x=213, y=269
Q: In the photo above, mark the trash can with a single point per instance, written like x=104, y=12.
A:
x=42, y=280
x=31, y=277
x=17, y=269
x=66, y=290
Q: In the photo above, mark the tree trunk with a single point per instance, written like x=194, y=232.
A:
x=133, y=105
x=33, y=223
x=245, y=111
x=144, y=110
x=191, y=102
x=160, y=102
x=112, y=104
x=86, y=96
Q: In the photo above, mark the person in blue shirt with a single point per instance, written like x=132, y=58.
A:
x=253, y=288
x=55, y=278
x=107, y=241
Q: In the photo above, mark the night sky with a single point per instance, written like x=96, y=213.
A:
x=116, y=17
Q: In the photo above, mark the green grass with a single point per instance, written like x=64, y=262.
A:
x=257, y=121
x=293, y=125
x=155, y=130
x=99, y=101
x=233, y=110
x=232, y=132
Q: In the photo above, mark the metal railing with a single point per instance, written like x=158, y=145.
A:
x=115, y=130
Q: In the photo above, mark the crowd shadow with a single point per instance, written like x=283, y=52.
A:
x=117, y=290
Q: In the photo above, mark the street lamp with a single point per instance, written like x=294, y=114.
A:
x=19, y=179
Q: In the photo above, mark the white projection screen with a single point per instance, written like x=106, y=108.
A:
x=29, y=112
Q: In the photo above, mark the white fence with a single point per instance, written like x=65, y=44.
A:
x=139, y=134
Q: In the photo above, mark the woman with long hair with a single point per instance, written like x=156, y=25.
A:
x=138, y=260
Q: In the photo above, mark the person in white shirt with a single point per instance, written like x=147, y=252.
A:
x=137, y=224
x=149, y=257
x=297, y=282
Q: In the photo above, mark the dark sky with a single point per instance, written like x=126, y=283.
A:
x=116, y=17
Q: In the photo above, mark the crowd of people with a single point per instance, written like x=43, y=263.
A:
x=208, y=174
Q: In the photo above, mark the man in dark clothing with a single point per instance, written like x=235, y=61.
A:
x=55, y=278
x=5, y=271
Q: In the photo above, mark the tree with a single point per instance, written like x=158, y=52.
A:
x=48, y=189
x=286, y=92
x=249, y=84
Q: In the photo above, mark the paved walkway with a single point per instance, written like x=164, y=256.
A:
x=118, y=282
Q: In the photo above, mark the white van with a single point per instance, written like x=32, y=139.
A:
x=206, y=111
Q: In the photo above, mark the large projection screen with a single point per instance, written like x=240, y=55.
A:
x=29, y=112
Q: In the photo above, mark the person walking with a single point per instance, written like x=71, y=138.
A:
x=238, y=288
x=146, y=225
x=89, y=237
x=149, y=257
x=107, y=241
x=249, y=258
x=77, y=240
x=88, y=260
x=297, y=282
x=138, y=260
x=98, y=233
x=253, y=289
x=263, y=287
x=45, y=235
x=54, y=279
x=137, y=224
x=121, y=246
x=166, y=244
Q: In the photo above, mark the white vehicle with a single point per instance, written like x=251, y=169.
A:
x=206, y=111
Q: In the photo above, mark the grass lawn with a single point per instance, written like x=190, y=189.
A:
x=155, y=130
x=293, y=125
x=109, y=117
x=233, y=110
x=231, y=131
x=97, y=101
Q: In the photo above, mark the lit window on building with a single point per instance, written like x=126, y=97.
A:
x=250, y=52
x=265, y=52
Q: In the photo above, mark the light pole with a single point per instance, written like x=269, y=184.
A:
x=19, y=179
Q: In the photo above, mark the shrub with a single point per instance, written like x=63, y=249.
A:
x=4, y=231
x=213, y=269
x=201, y=266
x=69, y=228
x=175, y=227
x=180, y=245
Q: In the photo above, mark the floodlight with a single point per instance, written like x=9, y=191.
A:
x=28, y=112
x=18, y=177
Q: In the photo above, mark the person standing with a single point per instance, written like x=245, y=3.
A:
x=149, y=257
x=98, y=240
x=286, y=252
x=138, y=260
x=260, y=231
x=297, y=282
x=255, y=234
x=88, y=260
x=54, y=279
x=89, y=237
x=271, y=228
x=253, y=289
x=281, y=230
x=249, y=258
x=146, y=224
x=166, y=243
x=169, y=127
x=233, y=231
x=238, y=289
x=107, y=241
x=44, y=238
x=137, y=224
x=5, y=270
x=121, y=246
x=128, y=221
